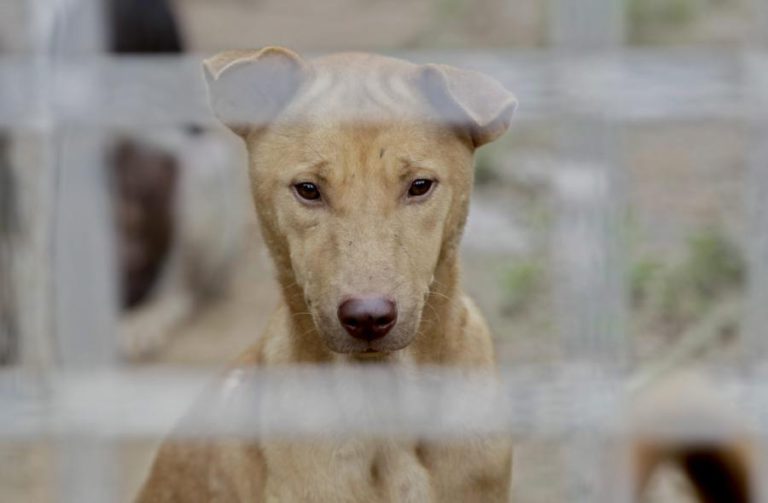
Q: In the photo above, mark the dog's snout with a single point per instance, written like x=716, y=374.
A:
x=368, y=318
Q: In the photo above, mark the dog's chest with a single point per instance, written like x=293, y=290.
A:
x=377, y=471
x=345, y=471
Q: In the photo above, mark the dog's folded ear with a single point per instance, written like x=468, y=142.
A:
x=248, y=89
x=469, y=99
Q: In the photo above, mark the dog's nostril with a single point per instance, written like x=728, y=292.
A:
x=368, y=318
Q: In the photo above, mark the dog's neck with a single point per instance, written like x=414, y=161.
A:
x=442, y=320
x=441, y=326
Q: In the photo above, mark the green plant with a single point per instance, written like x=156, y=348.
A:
x=714, y=262
x=485, y=168
x=713, y=266
x=646, y=17
x=642, y=277
x=448, y=9
x=520, y=283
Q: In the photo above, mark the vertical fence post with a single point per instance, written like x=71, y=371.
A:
x=591, y=191
x=83, y=241
x=587, y=243
x=33, y=171
x=755, y=332
x=756, y=329
x=84, y=273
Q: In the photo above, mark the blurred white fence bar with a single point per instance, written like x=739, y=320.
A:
x=756, y=98
x=756, y=338
x=755, y=332
x=434, y=403
x=84, y=310
x=589, y=272
x=590, y=202
x=637, y=85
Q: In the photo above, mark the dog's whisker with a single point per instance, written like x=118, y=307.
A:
x=438, y=294
x=313, y=329
x=433, y=310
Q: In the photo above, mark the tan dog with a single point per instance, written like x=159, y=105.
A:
x=361, y=169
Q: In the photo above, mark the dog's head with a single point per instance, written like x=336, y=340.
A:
x=361, y=169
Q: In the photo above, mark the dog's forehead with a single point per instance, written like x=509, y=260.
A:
x=360, y=112
x=359, y=88
x=313, y=141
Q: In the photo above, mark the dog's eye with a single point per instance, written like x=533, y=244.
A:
x=308, y=191
x=420, y=187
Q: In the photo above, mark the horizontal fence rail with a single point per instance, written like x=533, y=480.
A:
x=637, y=85
x=528, y=403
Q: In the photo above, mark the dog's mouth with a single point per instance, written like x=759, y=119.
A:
x=373, y=353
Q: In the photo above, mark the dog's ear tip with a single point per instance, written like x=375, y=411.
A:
x=481, y=99
x=250, y=87
x=279, y=50
x=209, y=70
x=215, y=66
x=513, y=104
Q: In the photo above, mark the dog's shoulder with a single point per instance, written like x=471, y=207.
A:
x=477, y=341
x=205, y=471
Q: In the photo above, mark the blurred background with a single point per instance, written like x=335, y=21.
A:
x=620, y=221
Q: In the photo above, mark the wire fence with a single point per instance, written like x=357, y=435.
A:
x=68, y=92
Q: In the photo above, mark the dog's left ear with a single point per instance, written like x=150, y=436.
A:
x=469, y=99
x=248, y=89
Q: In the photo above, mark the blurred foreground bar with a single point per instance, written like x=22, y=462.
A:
x=755, y=331
x=529, y=403
x=84, y=293
x=756, y=98
x=640, y=85
x=587, y=252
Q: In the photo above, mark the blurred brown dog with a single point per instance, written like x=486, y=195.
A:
x=361, y=169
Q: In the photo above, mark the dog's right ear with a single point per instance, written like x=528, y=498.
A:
x=248, y=89
x=470, y=100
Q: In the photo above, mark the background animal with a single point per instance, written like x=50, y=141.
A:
x=177, y=214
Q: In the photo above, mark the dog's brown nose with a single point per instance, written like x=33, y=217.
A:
x=369, y=318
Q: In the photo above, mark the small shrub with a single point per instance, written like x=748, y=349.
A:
x=713, y=266
x=520, y=284
x=647, y=17
x=485, y=169
x=643, y=276
x=714, y=262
